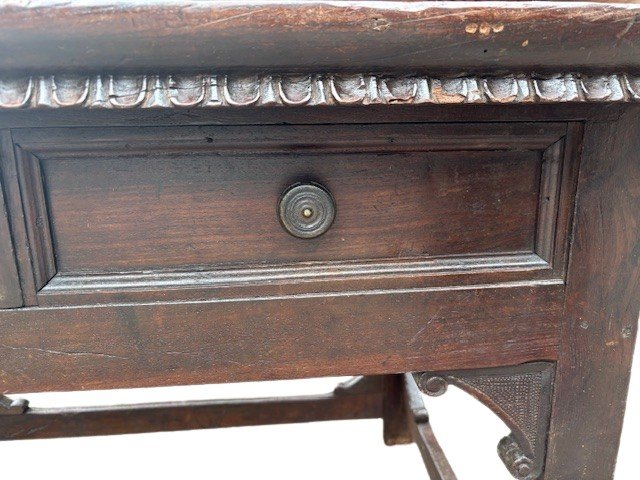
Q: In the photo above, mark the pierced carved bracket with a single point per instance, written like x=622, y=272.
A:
x=215, y=90
x=520, y=396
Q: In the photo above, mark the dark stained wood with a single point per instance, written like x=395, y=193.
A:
x=35, y=342
x=10, y=291
x=388, y=135
x=362, y=400
x=417, y=420
x=394, y=416
x=548, y=208
x=601, y=310
x=359, y=398
x=166, y=201
x=17, y=223
x=36, y=218
x=483, y=36
x=572, y=152
x=433, y=456
x=303, y=279
x=134, y=212
x=209, y=170
x=341, y=115
x=475, y=227
x=519, y=395
x=372, y=332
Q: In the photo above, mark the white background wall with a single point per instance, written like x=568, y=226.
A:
x=342, y=450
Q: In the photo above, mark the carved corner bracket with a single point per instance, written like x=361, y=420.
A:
x=520, y=396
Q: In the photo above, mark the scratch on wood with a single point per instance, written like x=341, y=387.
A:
x=60, y=352
x=628, y=27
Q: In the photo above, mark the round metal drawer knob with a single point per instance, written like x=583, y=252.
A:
x=306, y=210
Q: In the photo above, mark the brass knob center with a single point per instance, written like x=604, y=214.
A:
x=306, y=210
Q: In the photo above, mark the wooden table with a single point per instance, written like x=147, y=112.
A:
x=419, y=194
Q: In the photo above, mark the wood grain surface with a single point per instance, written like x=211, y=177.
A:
x=157, y=212
x=51, y=36
x=114, y=346
x=139, y=238
x=601, y=309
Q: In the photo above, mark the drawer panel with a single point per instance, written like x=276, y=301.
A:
x=205, y=199
x=112, y=212
x=140, y=213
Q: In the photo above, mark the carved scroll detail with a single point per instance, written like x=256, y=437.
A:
x=212, y=90
x=520, y=396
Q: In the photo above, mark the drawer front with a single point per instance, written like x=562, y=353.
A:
x=115, y=203
x=199, y=210
x=137, y=234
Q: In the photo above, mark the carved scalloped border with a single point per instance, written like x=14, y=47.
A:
x=202, y=91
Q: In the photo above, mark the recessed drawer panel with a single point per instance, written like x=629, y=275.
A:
x=116, y=209
x=140, y=213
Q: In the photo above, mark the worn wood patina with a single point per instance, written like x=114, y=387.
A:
x=418, y=194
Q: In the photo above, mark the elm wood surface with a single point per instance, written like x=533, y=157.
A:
x=433, y=456
x=363, y=204
x=372, y=35
x=306, y=279
x=575, y=306
x=36, y=218
x=21, y=254
x=288, y=336
x=601, y=308
x=10, y=291
x=139, y=214
x=357, y=399
x=187, y=340
x=395, y=429
x=417, y=420
x=174, y=205
x=549, y=114
x=17, y=119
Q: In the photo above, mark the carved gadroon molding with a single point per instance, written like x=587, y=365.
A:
x=520, y=396
x=203, y=91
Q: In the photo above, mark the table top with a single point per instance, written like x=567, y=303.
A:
x=454, y=37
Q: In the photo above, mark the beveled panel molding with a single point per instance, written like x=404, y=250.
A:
x=213, y=90
x=531, y=250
